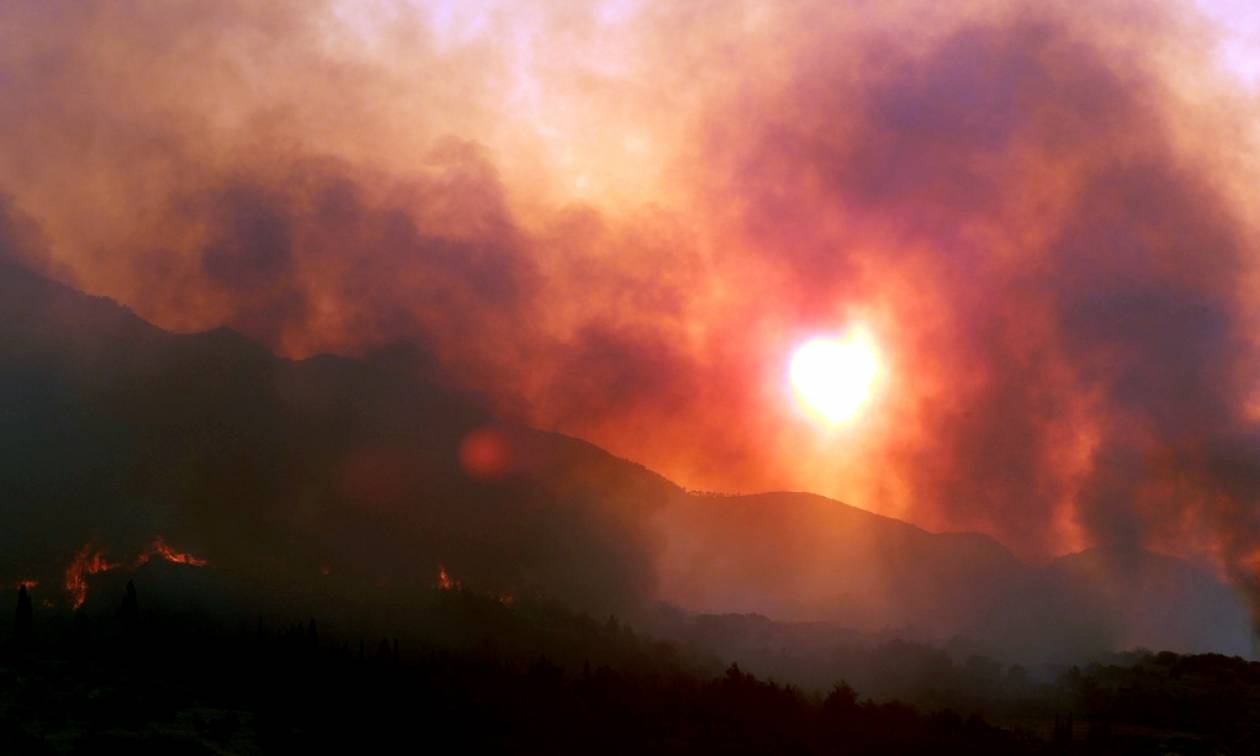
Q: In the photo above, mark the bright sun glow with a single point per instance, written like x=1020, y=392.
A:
x=834, y=378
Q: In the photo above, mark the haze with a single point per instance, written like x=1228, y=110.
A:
x=617, y=221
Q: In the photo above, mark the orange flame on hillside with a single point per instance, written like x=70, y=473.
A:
x=178, y=557
x=90, y=560
x=445, y=583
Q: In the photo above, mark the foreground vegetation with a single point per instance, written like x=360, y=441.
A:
x=545, y=680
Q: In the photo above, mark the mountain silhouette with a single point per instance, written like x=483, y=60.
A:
x=808, y=558
x=334, y=476
x=115, y=431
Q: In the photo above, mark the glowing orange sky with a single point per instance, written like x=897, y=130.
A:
x=617, y=220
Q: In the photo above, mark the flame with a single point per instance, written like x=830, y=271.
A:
x=445, y=583
x=27, y=584
x=90, y=560
x=171, y=555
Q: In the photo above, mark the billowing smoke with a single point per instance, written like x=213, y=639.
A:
x=616, y=221
x=1064, y=264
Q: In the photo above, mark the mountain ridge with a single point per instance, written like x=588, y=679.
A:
x=118, y=430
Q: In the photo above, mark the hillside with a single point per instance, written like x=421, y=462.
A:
x=802, y=557
x=300, y=474
x=332, y=477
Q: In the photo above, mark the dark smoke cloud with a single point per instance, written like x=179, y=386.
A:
x=1034, y=206
x=313, y=255
x=1085, y=269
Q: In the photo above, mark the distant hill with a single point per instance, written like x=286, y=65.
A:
x=792, y=554
x=301, y=474
x=802, y=557
x=338, y=477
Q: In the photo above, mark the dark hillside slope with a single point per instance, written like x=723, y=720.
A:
x=327, y=469
x=802, y=557
x=336, y=476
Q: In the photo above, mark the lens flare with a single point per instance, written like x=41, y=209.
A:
x=833, y=379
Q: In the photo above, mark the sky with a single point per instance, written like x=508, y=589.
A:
x=1237, y=45
x=619, y=220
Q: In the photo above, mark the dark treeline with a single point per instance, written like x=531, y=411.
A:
x=140, y=680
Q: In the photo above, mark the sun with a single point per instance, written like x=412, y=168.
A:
x=833, y=379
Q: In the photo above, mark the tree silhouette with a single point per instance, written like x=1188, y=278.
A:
x=841, y=702
x=130, y=609
x=24, y=619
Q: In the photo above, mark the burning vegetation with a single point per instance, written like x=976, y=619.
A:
x=445, y=582
x=88, y=561
x=160, y=548
x=91, y=559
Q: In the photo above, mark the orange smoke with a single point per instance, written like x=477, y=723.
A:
x=609, y=226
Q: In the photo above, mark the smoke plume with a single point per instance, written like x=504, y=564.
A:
x=616, y=220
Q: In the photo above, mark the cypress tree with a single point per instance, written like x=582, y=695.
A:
x=130, y=609
x=23, y=621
